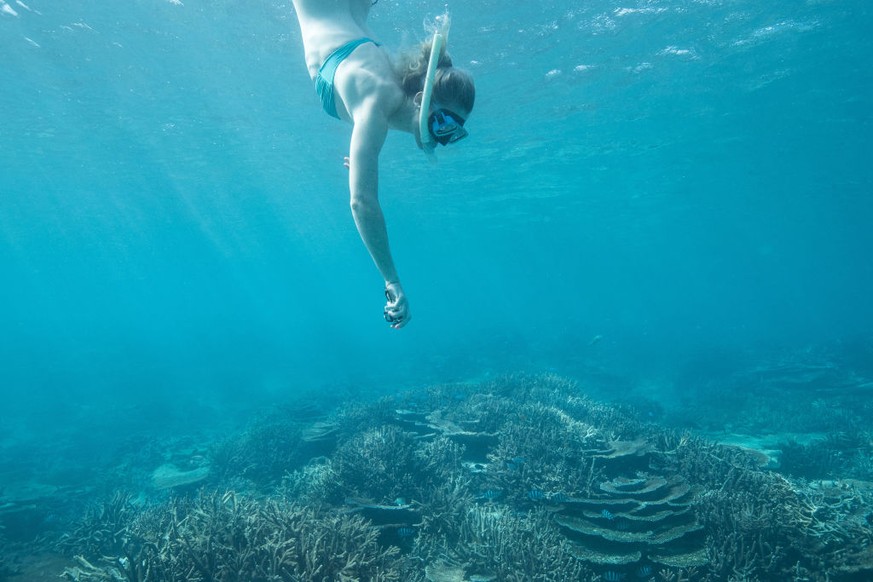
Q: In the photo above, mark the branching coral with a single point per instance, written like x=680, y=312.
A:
x=314, y=484
x=837, y=528
x=495, y=543
x=385, y=463
x=357, y=418
x=617, y=422
x=546, y=450
x=101, y=531
x=543, y=448
x=844, y=454
x=443, y=510
x=760, y=524
x=747, y=513
x=265, y=451
x=224, y=537
x=441, y=458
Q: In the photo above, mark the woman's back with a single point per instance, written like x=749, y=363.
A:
x=328, y=24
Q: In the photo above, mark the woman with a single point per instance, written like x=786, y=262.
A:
x=357, y=82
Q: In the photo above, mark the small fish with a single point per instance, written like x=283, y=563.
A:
x=405, y=532
x=645, y=571
x=613, y=576
x=50, y=518
x=561, y=498
x=515, y=463
x=490, y=494
x=536, y=495
x=606, y=514
x=595, y=340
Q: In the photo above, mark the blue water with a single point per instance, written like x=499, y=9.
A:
x=686, y=180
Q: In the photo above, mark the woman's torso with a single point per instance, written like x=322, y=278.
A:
x=328, y=24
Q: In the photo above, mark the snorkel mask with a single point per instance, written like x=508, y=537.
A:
x=441, y=126
x=446, y=127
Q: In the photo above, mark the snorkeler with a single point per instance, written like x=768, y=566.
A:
x=358, y=82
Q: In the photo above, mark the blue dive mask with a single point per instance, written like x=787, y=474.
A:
x=446, y=127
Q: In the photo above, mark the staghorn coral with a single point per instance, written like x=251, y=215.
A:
x=355, y=419
x=385, y=463
x=526, y=388
x=481, y=413
x=226, y=537
x=617, y=421
x=841, y=454
x=101, y=530
x=437, y=396
x=493, y=542
x=543, y=448
x=442, y=458
x=444, y=509
x=472, y=443
x=835, y=517
x=702, y=462
x=760, y=524
x=747, y=514
x=486, y=408
x=314, y=484
x=262, y=454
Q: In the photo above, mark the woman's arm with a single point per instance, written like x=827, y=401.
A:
x=368, y=136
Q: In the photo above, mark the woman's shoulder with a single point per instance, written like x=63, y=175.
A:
x=366, y=85
x=370, y=70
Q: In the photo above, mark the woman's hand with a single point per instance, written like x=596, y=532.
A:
x=397, y=306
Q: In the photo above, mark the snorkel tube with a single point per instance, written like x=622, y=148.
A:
x=440, y=38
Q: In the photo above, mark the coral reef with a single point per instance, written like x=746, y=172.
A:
x=494, y=542
x=266, y=451
x=102, y=529
x=813, y=392
x=845, y=454
x=604, y=487
x=229, y=537
x=520, y=477
x=169, y=476
x=759, y=524
x=646, y=520
x=382, y=464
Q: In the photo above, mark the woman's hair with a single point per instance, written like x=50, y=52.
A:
x=451, y=85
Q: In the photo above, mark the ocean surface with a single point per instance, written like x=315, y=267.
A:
x=667, y=203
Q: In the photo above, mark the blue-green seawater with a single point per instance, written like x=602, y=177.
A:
x=646, y=185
